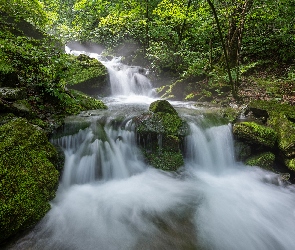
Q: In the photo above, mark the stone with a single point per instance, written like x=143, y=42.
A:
x=29, y=176
x=254, y=133
x=12, y=93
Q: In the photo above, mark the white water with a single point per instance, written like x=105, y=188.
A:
x=128, y=83
x=109, y=198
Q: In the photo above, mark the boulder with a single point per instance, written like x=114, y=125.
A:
x=28, y=174
x=264, y=160
x=254, y=133
x=161, y=134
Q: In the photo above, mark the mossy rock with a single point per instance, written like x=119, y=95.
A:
x=87, y=75
x=264, y=160
x=254, y=133
x=81, y=102
x=165, y=160
x=286, y=134
x=162, y=106
x=160, y=134
x=290, y=163
x=28, y=175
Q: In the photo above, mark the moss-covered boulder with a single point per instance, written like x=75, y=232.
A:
x=162, y=106
x=264, y=160
x=160, y=134
x=281, y=118
x=255, y=134
x=87, y=75
x=28, y=175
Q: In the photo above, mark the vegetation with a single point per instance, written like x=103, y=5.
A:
x=28, y=174
x=206, y=44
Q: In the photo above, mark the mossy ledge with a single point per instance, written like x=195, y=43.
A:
x=272, y=128
x=28, y=174
x=160, y=133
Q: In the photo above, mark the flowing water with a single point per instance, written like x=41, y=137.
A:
x=109, y=198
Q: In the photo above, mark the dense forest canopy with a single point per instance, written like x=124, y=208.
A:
x=186, y=37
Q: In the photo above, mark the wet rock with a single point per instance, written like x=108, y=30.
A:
x=160, y=134
x=264, y=160
x=254, y=133
x=28, y=174
x=12, y=93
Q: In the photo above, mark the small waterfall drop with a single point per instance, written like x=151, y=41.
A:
x=210, y=149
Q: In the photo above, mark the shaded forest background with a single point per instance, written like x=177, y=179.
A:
x=205, y=48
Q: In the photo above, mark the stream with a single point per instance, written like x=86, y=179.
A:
x=110, y=199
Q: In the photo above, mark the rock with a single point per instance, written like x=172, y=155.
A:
x=254, y=133
x=12, y=93
x=162, y=106
x=160, y=134
x=87, y=75
x=242, y=151
x=264, y=160
x=28, y=176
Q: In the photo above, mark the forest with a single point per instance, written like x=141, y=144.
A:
x=203, y=47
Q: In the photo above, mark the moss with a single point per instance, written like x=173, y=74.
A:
x=80, y=102
x=286, y=134
x=255, y=133
x=290, y=163
x=165, y=160
x=160, y=134
x=83, y=68
x=28, y=177
x=162, y=106
x=264, y=160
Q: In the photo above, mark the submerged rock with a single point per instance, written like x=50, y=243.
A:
x=28, y=174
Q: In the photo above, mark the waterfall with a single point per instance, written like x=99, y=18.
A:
x=100, y=153
x=110, y=199
x=210, y=149
x=126, y=81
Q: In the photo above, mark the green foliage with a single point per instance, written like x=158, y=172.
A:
x=28, y=176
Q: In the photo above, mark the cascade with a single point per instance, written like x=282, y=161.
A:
x=126, y=81
x=109, y=198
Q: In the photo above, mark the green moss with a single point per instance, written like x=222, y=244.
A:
x=286, y=133
x=80, y=102
x=83, y=68
x=264, y=160
x=255, y=133
x=160, y=133
x=162, y=106
x=165, y=160
x=28, y=177
x=290, y=163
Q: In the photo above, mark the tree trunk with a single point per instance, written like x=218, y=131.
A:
x=233, y=86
